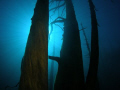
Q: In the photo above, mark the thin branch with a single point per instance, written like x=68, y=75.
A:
x=55, y=0
x=54, y=58
x=57, y=7
x=63, y=11
x=51, y=18
x=54, y=22
x=51, y=2
x=59, y=26
x=61, y=18
x=85, y=39
x=12, y=87
x=57, y=21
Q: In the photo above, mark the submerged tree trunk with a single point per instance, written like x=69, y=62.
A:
x=70, y=74
x=92, y=79
x=51, y=85
x=34, y=68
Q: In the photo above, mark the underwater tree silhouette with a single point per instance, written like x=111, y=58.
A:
x=34, y=68
x=70, y=74
x=92, y=79
x=35, y=61
x=69, y=60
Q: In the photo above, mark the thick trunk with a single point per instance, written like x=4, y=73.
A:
x=34, y=68
x=92, y=81
x=70, y=74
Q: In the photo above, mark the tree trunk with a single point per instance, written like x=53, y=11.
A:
x=70, y=74
x=34, y=68
x=92, y=81
x=51, y=85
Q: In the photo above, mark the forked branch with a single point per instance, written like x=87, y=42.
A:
x=57, y=7
x=58, y=21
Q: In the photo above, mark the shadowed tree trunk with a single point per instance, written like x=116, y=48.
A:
x=70, y=74
x=51, y=85
x=92, y=81
x=51, y=76
x=34, y=68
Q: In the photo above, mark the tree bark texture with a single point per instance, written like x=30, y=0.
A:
x=34, y=67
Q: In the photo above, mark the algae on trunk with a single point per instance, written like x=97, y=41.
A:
x=34, y=67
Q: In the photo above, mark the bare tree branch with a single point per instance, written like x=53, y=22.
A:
x=54, y=58
x=60, y=18
x=63, y=11
x=55, y=0
x=57, y=7
x=58, y=21
x=85, y=39
x=11, y=87
x=59, y=26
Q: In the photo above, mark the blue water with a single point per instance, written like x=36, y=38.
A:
x=15, y=22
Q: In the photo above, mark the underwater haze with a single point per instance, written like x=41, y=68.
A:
x=15, y=22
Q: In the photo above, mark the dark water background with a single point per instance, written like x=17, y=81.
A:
x=15, y=22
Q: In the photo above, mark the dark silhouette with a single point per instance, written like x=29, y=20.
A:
x=34, y=68
x=70, y=74
x=51, y=85
x=51, y=81
x=92, y=79
x=85, y=39
x=70, y=70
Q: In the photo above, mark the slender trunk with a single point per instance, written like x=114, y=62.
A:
x=34, y=68
x=70, y=74
x=92, y=81
x=51, y=76
x=51, y=84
